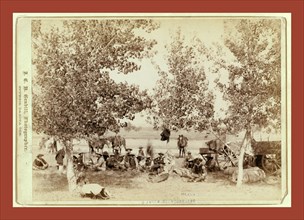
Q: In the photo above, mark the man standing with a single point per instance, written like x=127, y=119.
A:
x=59, y=158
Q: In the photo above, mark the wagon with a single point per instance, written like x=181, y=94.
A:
x=268, y=155
x=225, y=157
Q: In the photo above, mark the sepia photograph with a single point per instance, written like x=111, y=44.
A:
x=152, y=110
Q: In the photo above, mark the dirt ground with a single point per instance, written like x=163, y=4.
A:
x=133, y=188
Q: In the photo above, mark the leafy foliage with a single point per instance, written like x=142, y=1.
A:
x=254, y=88
x=182, y=99
x=74, y=95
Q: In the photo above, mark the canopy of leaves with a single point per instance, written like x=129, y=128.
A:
x=73, y=93
x=254, y=88
x=182, y=100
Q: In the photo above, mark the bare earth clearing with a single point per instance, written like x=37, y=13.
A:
x=132, y=187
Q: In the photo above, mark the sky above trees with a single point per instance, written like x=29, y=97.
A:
x=209, y=30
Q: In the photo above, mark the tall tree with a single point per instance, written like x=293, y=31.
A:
x=74, y=95
x=181, y=96
x=254, y=87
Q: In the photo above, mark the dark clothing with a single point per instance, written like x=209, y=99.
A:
x=156, y=169
x=78, y=162
x=213, y=146
x=132, y=162
x=129, y=161
x=139, y=158
x=148, y=162
x=159, y=160
x=111, y=162
x=199, y=172
x=59, y=156
x=198, y=168
x=189, y=164
x=127, y=157
x=211, y=164
x=141, y=155
x=158, y=164
x=145, y=164
x=55, y=146
x=40, y=163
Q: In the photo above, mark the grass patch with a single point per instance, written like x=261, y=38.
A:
x=123, y=179
x=49, y=181
x=53, y=181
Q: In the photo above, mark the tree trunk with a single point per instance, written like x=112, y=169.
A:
x=245, y=141
x=71, y=176
x=240, y=165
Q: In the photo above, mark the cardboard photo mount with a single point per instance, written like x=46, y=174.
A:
x=155, y=213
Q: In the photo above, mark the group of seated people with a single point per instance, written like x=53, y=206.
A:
x=106, y=161
x=190, y=161
x=117, y=161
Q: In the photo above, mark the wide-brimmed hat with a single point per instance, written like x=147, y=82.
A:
x=160, y=153
x=40, y=155
x=128, y=149
x=141, y=147
x=105, y=153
